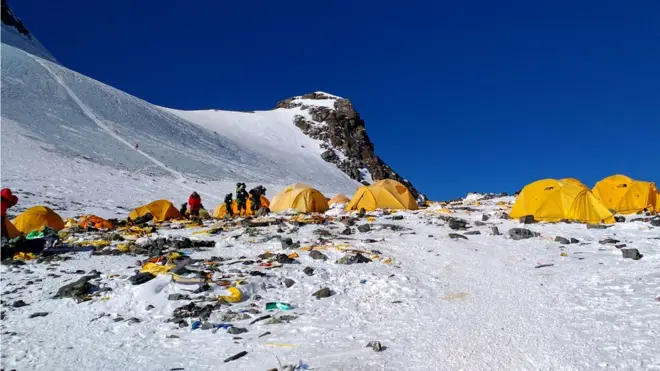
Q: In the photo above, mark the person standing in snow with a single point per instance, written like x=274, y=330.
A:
x=8, y=200
x=195, y=204
x=241, y=198
x=255, y=200
x=228, y=202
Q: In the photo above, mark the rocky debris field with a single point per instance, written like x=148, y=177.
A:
x=454, y=287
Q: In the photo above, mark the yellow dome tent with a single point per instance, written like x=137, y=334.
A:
x=301, y=197
x=221, y=210
x=384, y=194
x=338, y=199
x=36, y=217
x=161, y=210
x=551, y=200
x=12, y=232
x=573, y=181
x=626, y=195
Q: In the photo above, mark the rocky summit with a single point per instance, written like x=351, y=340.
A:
x=343, y=133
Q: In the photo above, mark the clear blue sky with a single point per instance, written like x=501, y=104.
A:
x=458, y=96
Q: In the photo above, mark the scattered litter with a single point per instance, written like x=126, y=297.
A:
x=278, y=305
x=236, y=356
x=375, y=345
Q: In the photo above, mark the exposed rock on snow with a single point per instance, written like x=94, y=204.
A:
x=335, y=122
x=521, y=233
x=631, y=254
x=323, y=293
x=364, y=228
x=457, y=236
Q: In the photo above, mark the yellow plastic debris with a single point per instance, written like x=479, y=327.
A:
x=280, y=345
x=455, y=296
x=293, y=255
x=24, y=256
x=96, y=243
x=387, y=261
x=371, y=219
x=563, y=254
x=235, y=295
x=123, y=247
x=156, y=269
x=444, y=210
x=70, y=223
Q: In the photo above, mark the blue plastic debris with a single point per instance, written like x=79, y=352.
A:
x=363, y=281
x=195, y=325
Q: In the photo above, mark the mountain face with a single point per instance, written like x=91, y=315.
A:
x=15, y=33
x=343, y=135
x=80, y=146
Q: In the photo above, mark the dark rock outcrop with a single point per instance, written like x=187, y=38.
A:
x=10, y=19
x=341, y=128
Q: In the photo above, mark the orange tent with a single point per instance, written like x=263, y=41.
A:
x=95, y=221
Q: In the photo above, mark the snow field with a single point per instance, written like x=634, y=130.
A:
x=442, y=304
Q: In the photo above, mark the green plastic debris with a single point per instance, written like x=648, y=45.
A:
x=34, y=235
x=278, y=305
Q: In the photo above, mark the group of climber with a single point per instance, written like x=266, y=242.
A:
x=194, y=205
x=242, y=195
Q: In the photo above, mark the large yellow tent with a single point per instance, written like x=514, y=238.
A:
x=36, y=217
x=300, y=197
x=384, y=194
x=221, y=210
x=573, y=181
x=551, y=200
x=161, y=210
x=626, y=195
x=338, y=199
x=12, y=232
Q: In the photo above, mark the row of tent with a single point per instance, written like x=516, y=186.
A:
x=303, y=198
x=548, y=200
x=553, y=200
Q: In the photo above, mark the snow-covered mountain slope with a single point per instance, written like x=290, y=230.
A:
x=74, y=118
x=16, y=34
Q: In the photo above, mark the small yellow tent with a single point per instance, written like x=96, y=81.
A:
x=12, y=232
x=625, y=195
x=301, y=197
x=338, y=199
x=161, y=210
x=384, y=194
x=221, y=210
x=551, y=200
x=36, y=217
x=573, y=181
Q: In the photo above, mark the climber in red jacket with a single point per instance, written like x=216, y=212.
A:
x=195, y=204
x=8, y=200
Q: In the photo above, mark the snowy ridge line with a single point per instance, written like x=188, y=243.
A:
x=181, y=179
